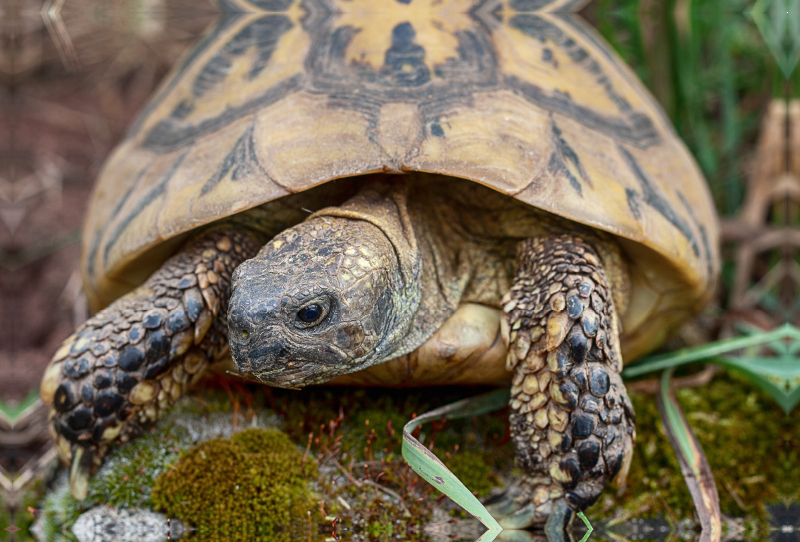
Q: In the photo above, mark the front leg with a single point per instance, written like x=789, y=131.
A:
x=571, y=420
x=131, y=361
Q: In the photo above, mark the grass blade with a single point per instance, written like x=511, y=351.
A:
x=694, y=465
x=427, y=465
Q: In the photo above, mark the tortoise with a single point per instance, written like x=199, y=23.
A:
x=432, y=193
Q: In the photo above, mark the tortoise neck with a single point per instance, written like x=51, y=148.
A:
x=433, y=280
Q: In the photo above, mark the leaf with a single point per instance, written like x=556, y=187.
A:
x=11, y=413
x=694, y=465
x=778, y=375
x=431, y=469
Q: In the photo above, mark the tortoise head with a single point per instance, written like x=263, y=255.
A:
x=321, y=299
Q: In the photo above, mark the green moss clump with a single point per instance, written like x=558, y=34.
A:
x=253, y=486
x=473, y=471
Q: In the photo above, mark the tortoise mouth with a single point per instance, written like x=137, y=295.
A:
x=278, y=361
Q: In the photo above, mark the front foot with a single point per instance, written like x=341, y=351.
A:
x=134, y=359
x=571, y=420
x=517, y=508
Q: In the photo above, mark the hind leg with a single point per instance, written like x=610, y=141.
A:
x=572, y=423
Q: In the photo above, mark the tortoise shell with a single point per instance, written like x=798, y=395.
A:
x=519, y=95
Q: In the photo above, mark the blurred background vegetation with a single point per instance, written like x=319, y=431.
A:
x=711, y=69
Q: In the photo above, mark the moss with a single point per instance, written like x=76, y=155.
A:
x=253, y=486
x=59, y=512
x=751, y=446
x=473, y=471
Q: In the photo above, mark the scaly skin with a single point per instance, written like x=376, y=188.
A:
x=131, y=361
x=572, y=423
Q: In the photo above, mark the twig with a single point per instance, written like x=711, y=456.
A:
x=652, y=386
x=735, y=495
x=377, y=486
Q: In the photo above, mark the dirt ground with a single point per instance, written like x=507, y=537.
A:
x=70, y=83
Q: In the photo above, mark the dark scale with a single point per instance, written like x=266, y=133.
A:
x=76, y=368
x=108, y=402
x=156, y=345
x=131, y=359
x=126, y=382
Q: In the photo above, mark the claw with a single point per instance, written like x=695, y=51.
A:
x=505, y=506
x=519, y=536
x=556, y=527
x=521, y=519
x=79, y=472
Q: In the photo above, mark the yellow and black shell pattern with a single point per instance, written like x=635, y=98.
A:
x=518, y=95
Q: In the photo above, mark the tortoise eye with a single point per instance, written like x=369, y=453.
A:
x=310, y=314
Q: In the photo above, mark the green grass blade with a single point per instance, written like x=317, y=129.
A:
x=706, y=351
x=11, y=413
x=780, y=380
x=694, y=465
x=588, y=526
x=427, y=465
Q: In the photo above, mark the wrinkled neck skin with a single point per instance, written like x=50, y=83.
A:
x=363, y=267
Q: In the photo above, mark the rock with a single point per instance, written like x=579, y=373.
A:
x=108, y=524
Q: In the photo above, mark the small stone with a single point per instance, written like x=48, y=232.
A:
x=212, y=277
x=104, y=523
